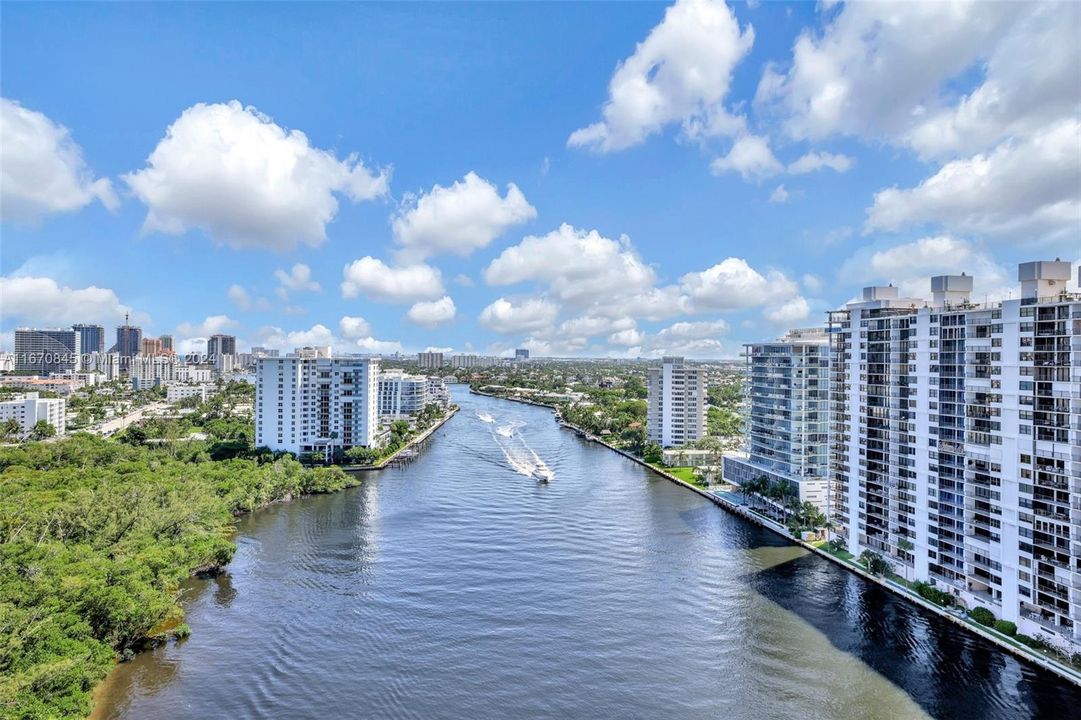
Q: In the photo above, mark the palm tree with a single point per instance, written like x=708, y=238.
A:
x=10, y=428
x=905, y=546
x=42, y=429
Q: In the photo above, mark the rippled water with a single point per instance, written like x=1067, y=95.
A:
x=461, y=587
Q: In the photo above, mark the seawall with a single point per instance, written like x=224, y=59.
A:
x=1023, y=652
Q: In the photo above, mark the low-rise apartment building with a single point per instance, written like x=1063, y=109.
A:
x=31, y=408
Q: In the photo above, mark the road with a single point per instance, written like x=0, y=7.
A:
x=110, y=426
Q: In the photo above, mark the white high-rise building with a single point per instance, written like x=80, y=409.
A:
x=430, y=360
x=787, y=430
x=401, y=394
x=316, y=404
x=105, y=364
x=956, y=443
x=147, y=371
x=677, y=403
x=30, y=408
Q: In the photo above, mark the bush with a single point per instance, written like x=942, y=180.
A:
x=1034, y=643
x=875, y=563
x=182, y=631
x=933, y=594
x=96, y=537
x=1006, y=627
x=983, y=616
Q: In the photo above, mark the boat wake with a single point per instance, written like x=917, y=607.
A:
x=485, y=417
x=509, y=430
x=519, y=456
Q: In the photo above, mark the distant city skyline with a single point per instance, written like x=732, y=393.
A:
x=614, y=180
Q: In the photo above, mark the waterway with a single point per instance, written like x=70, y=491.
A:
x=459, y=586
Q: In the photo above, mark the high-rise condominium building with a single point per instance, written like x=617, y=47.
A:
x=430, y=360
x=401, y=394
x=476, y=361
x=316, y=404
x=129, y=341
x=787, y=431
x=221, y=351
x=217, y=345
x=147, y=371
x=677, y=403
x=91, y=338
x=956, y=443
x=46, y=351
x=167, y=345
x=521, y=354
x=150, y=347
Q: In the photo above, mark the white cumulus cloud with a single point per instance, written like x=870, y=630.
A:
x=515, y=317
x=373, y=278
x=733, y=284
x=246, y=181
x=681, y=72
x=42, y=170
x=212, y=325
x=432, y=313
x=750, y=156
x=299, y=278
x=458, y=219
x=240, y=297
x=876, y=67
x=693, y=330
x=627, y=338
x=352, y=327
x=813, y=161
x=276, y=338
x=911, y=265
x=1025, y=189
x=792, y=311
x=41, y=301
x=577, y=266
x=378, y=347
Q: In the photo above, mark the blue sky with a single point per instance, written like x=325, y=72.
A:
x=613, y=178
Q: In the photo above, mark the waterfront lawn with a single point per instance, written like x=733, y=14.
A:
x=683, y=472
x=843, y=554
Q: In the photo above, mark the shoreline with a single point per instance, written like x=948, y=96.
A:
x=206, y=573
x=1019, y=651
x=353, y=469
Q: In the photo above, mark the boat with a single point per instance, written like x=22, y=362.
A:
x=543, y=474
